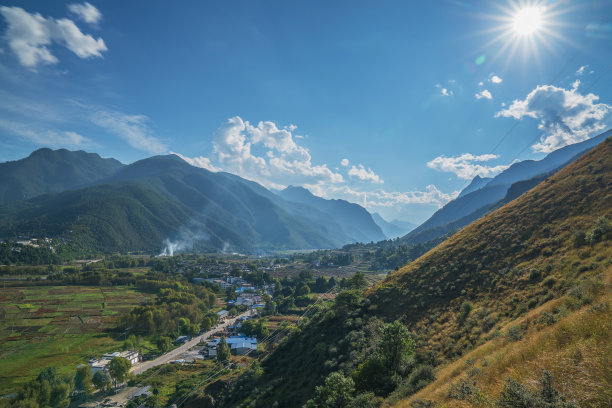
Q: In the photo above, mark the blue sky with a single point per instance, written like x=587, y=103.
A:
x=395, y=105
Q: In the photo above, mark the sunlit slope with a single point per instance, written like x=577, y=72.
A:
x=510, y=261
x=481, y=291
x=568, y=338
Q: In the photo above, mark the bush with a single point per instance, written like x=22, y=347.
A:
x=535, y=274
x=579, y=238
x=367, y=400
x=601, y=230
x=422, y=376
x=464, y=310
x=516, y=395
x=462, y=390
x=549, y=282
x=514, y=333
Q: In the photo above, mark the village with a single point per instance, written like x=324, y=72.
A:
x=188, y=350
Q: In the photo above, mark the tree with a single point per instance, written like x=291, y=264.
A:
x=269, y=308
x=102, y=380
x=337, y=392
x=357, y=281
x=164, y=343
x=119, y=368
x=206, y=323
x=223, y=352
x=395, y=345
x=302, y=289
x=83, y=378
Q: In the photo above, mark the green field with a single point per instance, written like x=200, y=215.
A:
x=64, y=326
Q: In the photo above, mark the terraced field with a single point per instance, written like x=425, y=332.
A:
x=57, y=325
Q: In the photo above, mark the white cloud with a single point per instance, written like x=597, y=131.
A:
x=345, y=162
x=581, y=70
x=484, y=94
x=467, y=166
x=480, y=83
x=30, y=35
x=45, y=137
x=363, y=174
x=495, y=79
x=565, y=116
x=134, y=129
x=284, y=161
x=380, y=198
x=446, y=92
x=201, y=161
x=86, y=12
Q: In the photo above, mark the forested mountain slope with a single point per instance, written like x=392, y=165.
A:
x=355, y=221
x=47, y=171
x=158, y=199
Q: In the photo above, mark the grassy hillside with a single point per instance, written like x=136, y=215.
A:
x=528, y=270
x=510, y=261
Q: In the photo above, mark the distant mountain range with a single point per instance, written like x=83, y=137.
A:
x=163, y=203
x=483, y=195
x=353, y=219
x=393, y=229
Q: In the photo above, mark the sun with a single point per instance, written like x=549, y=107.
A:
x=527, y=20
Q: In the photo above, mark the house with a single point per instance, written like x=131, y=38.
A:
x=239, y=345
x=222, y=315
x=133, y=356
x=181, y=339
x=97, y=365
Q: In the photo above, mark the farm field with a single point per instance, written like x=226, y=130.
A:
x=64, y=326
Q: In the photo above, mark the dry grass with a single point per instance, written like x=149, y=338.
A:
x=577, y=350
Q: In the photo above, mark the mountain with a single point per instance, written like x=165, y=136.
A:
x=521, y=294
x=46, y=171
x=483, y=195
x=164, y=199
x=354, y=220
x=476, y=184
x=393, y=229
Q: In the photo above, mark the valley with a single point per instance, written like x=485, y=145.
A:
x=306, y=204
x=496, y=299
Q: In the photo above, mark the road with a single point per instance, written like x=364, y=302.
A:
x=174, y=354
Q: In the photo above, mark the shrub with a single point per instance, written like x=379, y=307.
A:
x=514, y=333
x=516, y=395
x=579, y=238
x=422, y=376
x=464, y=310
x=462, y=389
x=367, y=400
x=535, y=274
x=549, y=282
x=601, y=229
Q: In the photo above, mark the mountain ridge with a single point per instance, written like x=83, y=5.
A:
x=472, y=201
x=47, y=171
x=213, y=210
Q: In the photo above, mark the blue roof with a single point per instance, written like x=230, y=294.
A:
x=238, y=340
